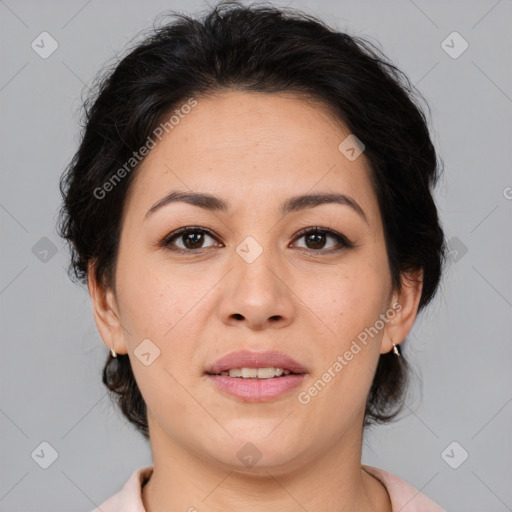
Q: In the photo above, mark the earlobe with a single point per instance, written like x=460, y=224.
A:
x=106, y=313
x=405, y=304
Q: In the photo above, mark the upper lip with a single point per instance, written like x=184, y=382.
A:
x=251, y=359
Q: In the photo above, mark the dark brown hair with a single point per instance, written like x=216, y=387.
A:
x=265, y=49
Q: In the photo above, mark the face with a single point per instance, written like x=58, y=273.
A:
x=248, y=277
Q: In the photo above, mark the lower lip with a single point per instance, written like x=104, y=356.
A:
x=256, y=390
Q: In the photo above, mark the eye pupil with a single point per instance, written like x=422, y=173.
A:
x=196, y=238
x=318, y=239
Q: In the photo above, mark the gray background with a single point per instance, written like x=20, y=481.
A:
x=461, y=347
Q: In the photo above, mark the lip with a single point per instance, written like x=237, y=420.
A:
x=256, y=390
x=251, y=359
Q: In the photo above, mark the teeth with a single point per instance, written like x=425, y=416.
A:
x=256, y=373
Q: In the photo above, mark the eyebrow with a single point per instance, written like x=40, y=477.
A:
x=293, y=204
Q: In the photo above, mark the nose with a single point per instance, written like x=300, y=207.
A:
x=256, y=294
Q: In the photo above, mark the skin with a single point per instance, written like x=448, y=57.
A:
x=254, y=150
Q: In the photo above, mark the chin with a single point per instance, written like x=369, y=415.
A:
x=254, y=449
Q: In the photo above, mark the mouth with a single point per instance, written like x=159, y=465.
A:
x=255, y=376
x=256, y=373
x=270, y=363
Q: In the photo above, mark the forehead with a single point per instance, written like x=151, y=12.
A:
x=252, y=145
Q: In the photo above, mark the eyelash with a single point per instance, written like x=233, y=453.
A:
x=342, y=240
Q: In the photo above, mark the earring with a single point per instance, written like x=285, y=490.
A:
x=396, y=350
x=113, y=352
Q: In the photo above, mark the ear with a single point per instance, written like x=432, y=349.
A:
x=404, y=303
x=106, y=313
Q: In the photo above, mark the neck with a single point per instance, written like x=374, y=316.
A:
x=332, y=481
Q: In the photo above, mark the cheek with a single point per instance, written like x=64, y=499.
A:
x=161, y=306
x=155, y=309
x=349, y=308
x=150, y=302
x=144, y=306
x=350, y=305
x=349, y=301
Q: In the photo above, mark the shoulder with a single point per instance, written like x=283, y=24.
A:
x=404, y=497
x=129, y=497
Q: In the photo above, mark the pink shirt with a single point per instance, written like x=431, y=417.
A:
x=404, y=497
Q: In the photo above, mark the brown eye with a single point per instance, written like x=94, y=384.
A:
x=190, y=238
x=316, y=239
x=193, y=240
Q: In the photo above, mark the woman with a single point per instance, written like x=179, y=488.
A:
x=251, y=209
